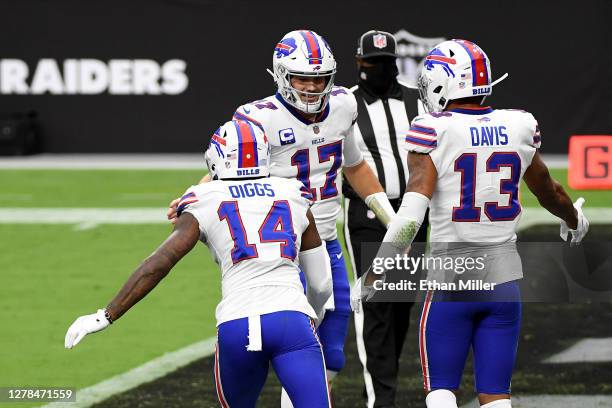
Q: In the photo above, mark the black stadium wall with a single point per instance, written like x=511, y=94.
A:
x=161, y=75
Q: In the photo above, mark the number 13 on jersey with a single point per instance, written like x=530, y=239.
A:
x=466, y=166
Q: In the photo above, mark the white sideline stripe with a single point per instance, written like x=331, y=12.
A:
x=147, y=372
x=146, y=215
x=83, y=215
x=565, y=401
x=106, y=161
x=585, y=351
x=145, y=161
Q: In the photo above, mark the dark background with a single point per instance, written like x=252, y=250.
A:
x=558, y=54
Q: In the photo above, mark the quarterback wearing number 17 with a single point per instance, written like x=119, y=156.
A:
x=258, y=229
x=309, y=122
x=466, y=162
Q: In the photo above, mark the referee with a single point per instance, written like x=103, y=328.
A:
x=385, y=109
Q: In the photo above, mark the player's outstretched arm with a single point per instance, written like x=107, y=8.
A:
x=552, y=196
x=366, y=185
x=420, y=188
x=150, y=272
x=315, y=264
x=171, y=213
x=405, y=224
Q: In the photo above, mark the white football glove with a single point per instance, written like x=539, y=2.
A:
x=360, y=292
x=83, y=326
x=582, y=228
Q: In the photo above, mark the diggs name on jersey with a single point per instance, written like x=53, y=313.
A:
x=251, y=190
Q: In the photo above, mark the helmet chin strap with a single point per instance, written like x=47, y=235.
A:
x=498, y=80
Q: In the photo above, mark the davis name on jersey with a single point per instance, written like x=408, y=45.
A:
x=480, y=156
x=311, y=152
x=254, y=230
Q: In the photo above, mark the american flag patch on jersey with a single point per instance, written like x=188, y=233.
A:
x=187, y=199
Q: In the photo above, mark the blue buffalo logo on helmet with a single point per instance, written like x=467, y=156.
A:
x=437, y=57
x=217, y=142
x=285, y=47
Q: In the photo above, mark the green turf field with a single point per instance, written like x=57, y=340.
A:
x=51, y=274
x=151, y=188
x=54, y=273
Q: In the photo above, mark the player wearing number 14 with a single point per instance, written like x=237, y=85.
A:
x=254, y=225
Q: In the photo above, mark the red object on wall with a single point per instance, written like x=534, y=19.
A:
x=590, y=162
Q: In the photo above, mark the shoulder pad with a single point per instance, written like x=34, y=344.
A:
x=255, y=112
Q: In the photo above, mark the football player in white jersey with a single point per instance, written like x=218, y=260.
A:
x=309, y=122
x=254, y=226
x=466, y=162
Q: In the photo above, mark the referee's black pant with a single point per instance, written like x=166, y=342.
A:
x=382, y=326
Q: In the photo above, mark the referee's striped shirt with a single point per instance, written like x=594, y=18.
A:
x=380, y=133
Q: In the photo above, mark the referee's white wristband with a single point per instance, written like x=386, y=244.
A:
x=381, y=207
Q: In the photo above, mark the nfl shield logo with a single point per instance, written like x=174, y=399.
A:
x=380, y=41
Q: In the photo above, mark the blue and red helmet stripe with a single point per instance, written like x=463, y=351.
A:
x=480, y=74
x=241, y=116
x=314, y=50
x=247, y=144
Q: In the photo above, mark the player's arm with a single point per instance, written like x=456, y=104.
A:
x=314, y=262
x=552, y=196
x=420, y=188
x=405, y=224
x=365, y=183
x=150, y=272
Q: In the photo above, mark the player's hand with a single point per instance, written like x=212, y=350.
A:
x=582, y=227
x=83, y=326
x=361, y=292
x=171, y=213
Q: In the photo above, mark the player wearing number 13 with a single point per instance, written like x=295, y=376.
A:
x=466, y=162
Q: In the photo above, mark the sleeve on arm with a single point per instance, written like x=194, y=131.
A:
x=535, y=139
x=192, y=203
x=304, y=199
x=352, y=154
x=422, y=136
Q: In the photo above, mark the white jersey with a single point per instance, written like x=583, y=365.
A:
x=480, y=156
x=254, y=230
x=310, y=152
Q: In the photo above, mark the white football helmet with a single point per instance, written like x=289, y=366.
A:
x=238, y=149
x=452, y=70
x=303, y=53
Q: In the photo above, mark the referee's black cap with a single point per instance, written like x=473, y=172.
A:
x=376, y=43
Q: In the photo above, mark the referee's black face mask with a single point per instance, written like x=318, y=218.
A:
x=378, y=74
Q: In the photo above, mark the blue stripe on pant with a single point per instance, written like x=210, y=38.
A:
x=491, y=328
x=289, y=342
x=334, y=328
